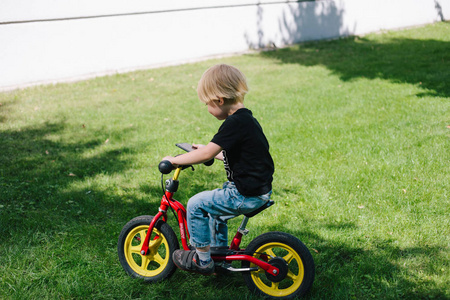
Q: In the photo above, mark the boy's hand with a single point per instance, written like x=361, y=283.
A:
x=170, y=158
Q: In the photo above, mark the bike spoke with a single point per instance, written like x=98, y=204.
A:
x=157, y=258
x=138, y=237
x=156, y=243
x=142, y=234
x=291, y=276
x=288, y=258
x=275, y=285
x=270, y=252
x=145, y=262
x=135, y=249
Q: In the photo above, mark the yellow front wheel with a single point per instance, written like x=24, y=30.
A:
x=157, y=264
x=290, y=256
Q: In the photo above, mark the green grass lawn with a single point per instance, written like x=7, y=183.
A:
x=359, y=131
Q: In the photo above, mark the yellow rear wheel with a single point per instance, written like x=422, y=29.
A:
x=288, y=254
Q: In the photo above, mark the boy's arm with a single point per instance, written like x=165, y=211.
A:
x=218, y=156
x=198, y=156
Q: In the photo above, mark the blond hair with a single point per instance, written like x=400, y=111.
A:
x=222, y=81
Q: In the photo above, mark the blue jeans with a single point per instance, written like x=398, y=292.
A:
x=209, y=211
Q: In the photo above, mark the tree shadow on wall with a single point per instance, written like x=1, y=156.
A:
x=306, y=21
x=439, y=11
x=301, y=21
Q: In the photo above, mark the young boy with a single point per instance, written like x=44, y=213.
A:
x=243, y=147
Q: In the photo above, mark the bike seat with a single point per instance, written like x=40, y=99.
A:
x=255, y=212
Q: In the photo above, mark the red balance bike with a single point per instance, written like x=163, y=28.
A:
x=274, y=264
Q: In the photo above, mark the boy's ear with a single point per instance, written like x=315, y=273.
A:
x=221, y=101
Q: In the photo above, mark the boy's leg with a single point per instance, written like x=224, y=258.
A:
x=198, y=260
x=219, y=230
x=226, y=202
x=204, y=255
x=219, y=205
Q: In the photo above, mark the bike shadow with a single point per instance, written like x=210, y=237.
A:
x=342, y=271
x=351, y=268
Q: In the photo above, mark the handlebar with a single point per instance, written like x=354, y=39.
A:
x=165, y=166
x=209, y=162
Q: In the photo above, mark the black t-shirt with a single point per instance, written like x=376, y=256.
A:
x=246, y=154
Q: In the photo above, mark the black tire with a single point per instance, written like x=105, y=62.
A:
x=291, y=256
x=158, y=264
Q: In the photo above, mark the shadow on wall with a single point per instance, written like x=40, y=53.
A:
x=307, y=21
x=438, y=7
x=302, y=21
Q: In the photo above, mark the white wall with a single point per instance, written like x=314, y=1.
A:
x=52, y=40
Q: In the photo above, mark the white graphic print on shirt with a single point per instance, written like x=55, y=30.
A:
x=227, y=166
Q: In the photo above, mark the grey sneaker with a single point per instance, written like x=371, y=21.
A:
x=189, y=261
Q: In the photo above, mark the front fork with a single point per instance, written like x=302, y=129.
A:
x=144, y=248
x=181, y=212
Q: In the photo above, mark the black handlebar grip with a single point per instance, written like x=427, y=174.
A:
x=209, y=162
x=165, y=167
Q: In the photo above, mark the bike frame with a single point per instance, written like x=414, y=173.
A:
x=167, y=201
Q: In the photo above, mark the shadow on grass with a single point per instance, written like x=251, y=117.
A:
x=40, y=191
x=39, y=195
x=343, y=271
x=424, y=63
x=43, y=181
x=348, y=271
